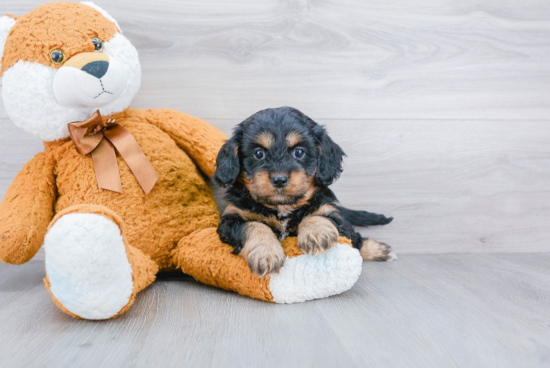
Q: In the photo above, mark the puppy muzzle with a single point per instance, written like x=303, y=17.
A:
x=279, y=181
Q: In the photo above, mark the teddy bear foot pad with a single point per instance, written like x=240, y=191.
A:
x=309, y=277
x=88, y=272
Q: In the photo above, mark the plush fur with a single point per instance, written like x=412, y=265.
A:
x=6, y=24
x=303, y=277
x=279, y=164
x=320, y=276
x=28, y=73
x=77, y=252
x=102, y=247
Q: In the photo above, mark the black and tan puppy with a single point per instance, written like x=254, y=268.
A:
x=278, y=165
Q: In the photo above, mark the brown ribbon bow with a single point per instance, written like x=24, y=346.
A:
x=88, y=137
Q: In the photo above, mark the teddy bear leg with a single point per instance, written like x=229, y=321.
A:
x=303, y=277
x=91, y=270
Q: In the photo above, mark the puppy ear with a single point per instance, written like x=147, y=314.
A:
x=329, y=164
x=228, y=165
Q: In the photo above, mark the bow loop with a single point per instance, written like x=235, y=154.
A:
x=95, y=137
x=85, y=134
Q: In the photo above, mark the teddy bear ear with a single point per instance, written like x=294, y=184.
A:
x=6, y=23
x=103, y=12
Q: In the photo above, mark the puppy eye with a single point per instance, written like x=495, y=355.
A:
x=299, y=153
x=259, y=154
x=57, y=56
x=98, y=45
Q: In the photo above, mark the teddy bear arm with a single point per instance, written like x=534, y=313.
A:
x=204, y=256
x=200, y=140
x=26, y=210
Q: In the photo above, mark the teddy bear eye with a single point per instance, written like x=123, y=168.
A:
x=98, y=45
x=57, y=56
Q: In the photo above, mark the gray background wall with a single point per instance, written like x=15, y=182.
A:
x=442, y=107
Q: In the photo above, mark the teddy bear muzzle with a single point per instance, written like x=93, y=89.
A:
x=89, y=79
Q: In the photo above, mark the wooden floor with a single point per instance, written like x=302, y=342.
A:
x=443, y=110
x=483, y=310
x=441, y=106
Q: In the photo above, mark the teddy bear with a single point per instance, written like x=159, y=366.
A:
x=119, y=194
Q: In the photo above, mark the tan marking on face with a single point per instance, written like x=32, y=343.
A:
x=270, y=221
x=286, y=209
x=298, y=183
x=65, y=26
x=293, y=138
x=316, y=234
x=265, y=139
x=261, y=189
x=372, y=250
x=262, y=250
x=260, y=185
x=84, y=58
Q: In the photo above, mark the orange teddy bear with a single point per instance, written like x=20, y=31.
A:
x=109, y=219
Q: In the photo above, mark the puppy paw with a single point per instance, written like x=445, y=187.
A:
x=372, y=250
x=316, y=234
x=266, y=258
x=262, y=250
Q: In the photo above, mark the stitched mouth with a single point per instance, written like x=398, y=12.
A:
x=103, y=90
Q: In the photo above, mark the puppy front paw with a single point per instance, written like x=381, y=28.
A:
x=266, y=258
x=316, y=234
x=262, y=250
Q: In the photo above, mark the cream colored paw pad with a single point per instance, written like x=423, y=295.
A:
x=308, y=277
x=87, y=265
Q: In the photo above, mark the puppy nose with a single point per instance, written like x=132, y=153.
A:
x=279, y=181
x=96, y=68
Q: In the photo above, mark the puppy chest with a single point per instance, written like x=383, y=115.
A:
x=281, y=226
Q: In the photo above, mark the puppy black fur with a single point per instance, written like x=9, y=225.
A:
x=278, y=165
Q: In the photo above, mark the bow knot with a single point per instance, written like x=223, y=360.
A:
x=97, y=129
x=100, y=139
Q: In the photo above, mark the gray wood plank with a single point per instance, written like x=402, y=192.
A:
x=448, y=311
x=472, y=59
x=452, y=186
x=488, y=310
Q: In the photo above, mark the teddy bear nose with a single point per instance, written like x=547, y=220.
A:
x=96, y=68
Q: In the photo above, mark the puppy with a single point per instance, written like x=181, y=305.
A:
x=278, y=165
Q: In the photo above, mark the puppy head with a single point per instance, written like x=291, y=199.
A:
x=280, y=155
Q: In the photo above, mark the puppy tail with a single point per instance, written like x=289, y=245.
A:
x=363, y=218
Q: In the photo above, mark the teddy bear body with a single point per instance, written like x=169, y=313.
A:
x=180, y=203
x=61, y=63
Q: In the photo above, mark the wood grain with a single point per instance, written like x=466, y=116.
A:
x=389, y=79
x=473, y=59
x=452, y=186
x=442, y=108
x=421, y=311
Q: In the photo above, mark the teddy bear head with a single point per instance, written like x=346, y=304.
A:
x=60, y=63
